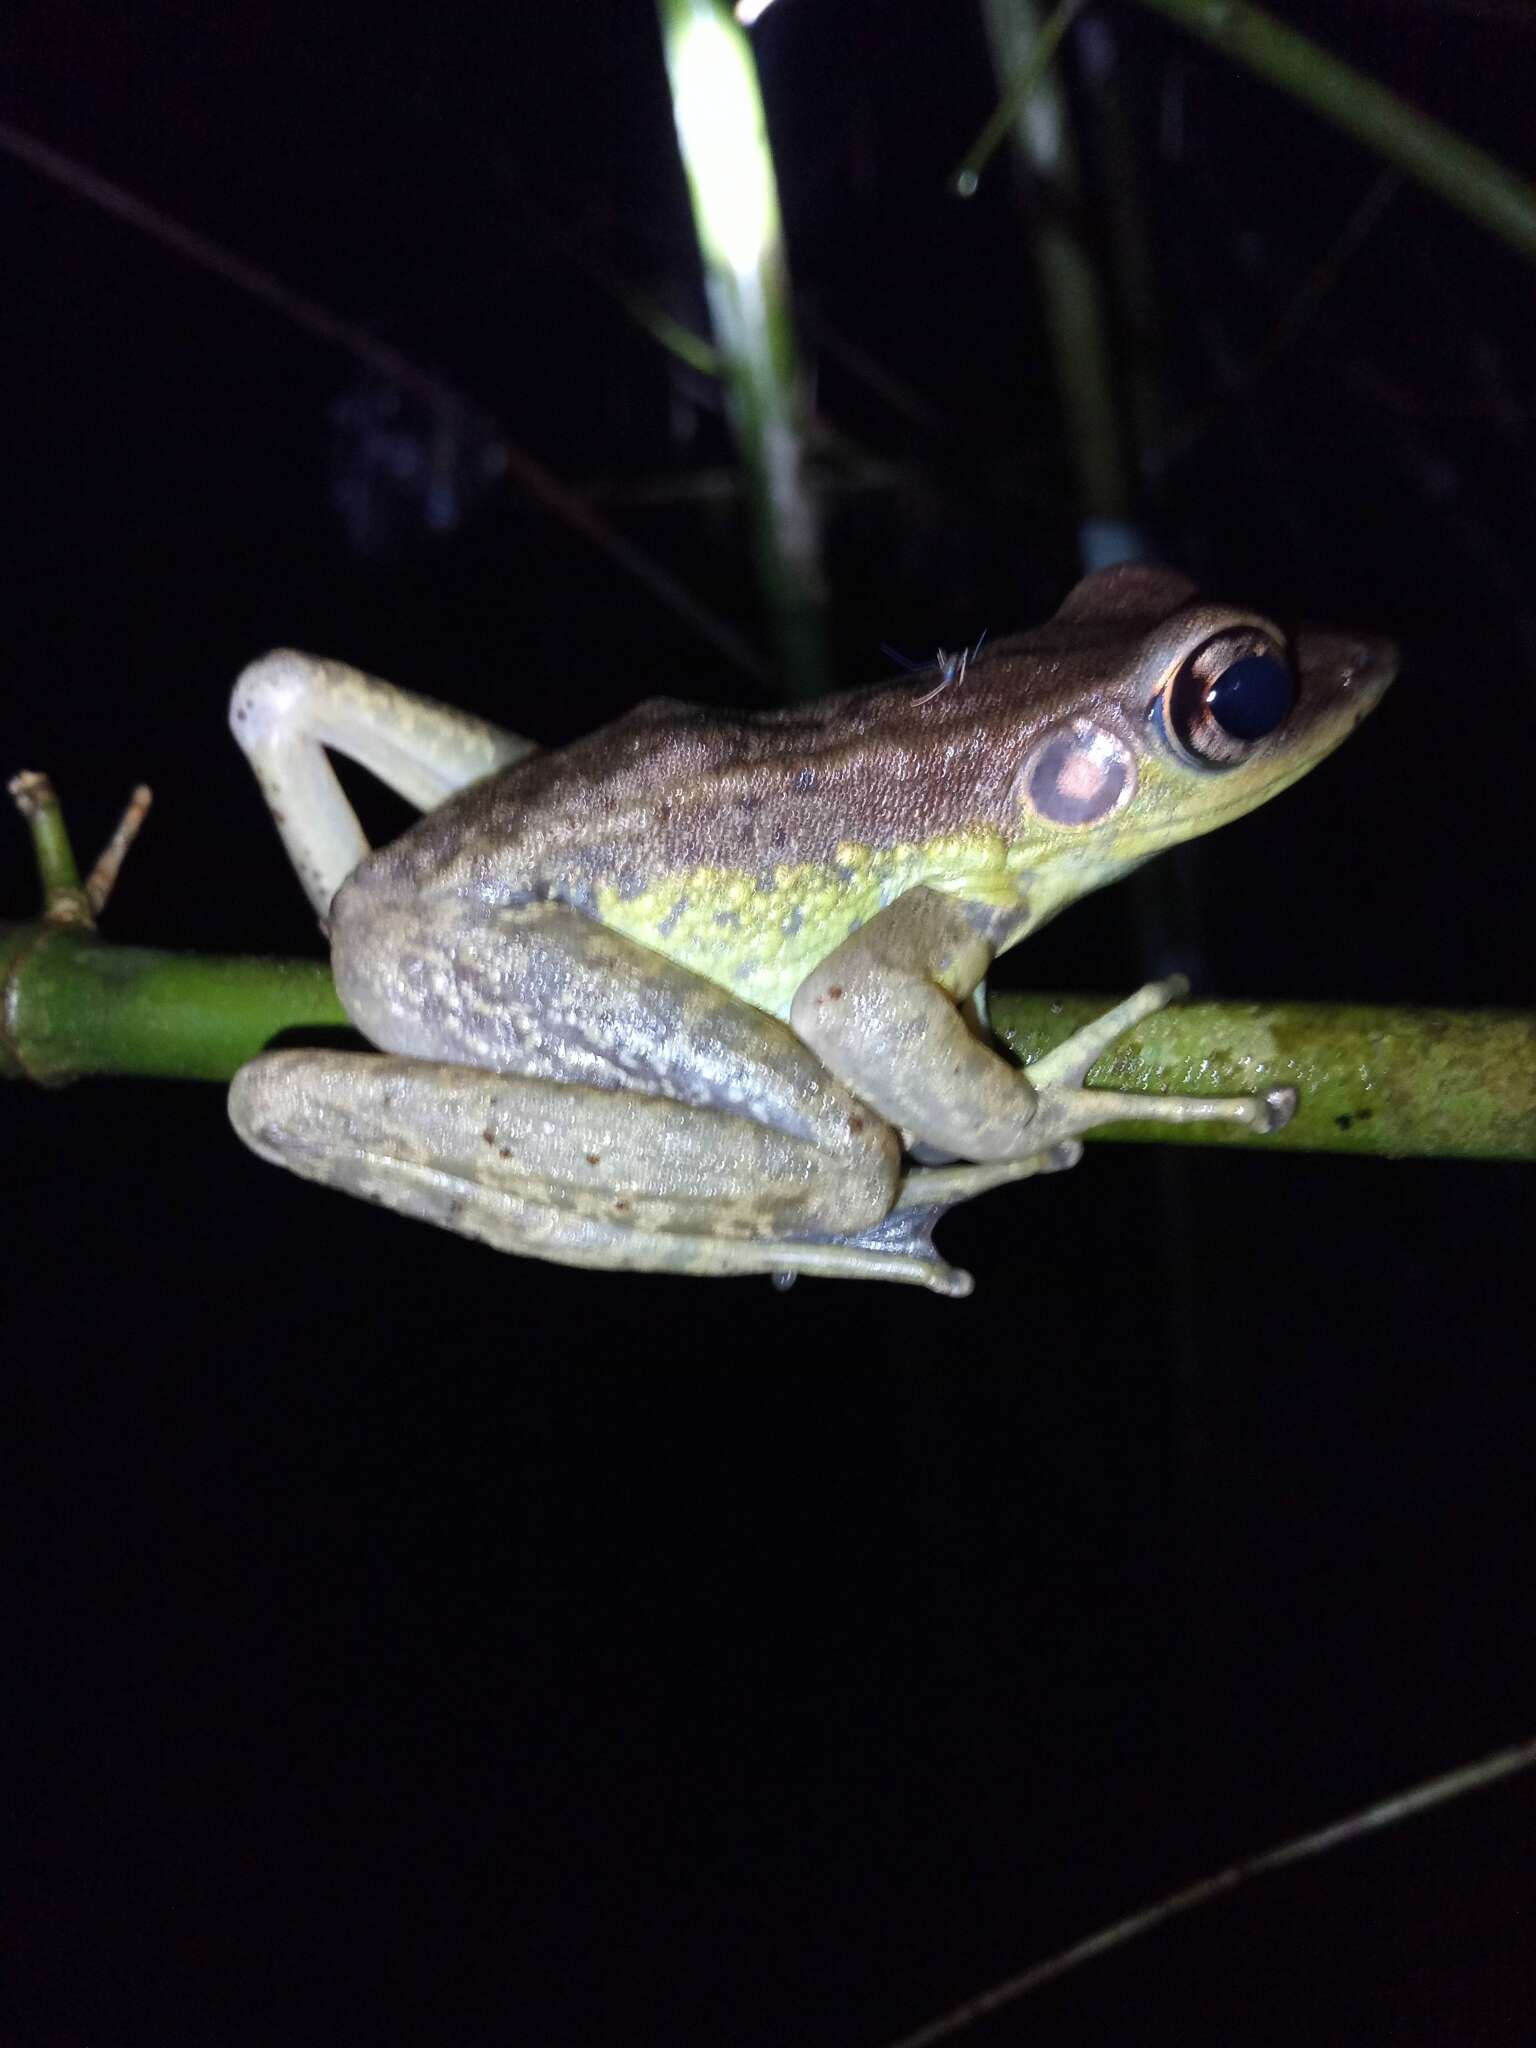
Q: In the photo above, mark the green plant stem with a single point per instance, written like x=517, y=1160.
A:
x=73, y=1004
x=1475, y=183
x=1404, y=1082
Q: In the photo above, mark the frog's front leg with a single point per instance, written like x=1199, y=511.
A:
x=881, y=1010
x=288, y=708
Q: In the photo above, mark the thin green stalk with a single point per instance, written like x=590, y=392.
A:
x=57, y=869
x=1021, y=87
x=723, y=139
x=1475, y=183
x=1444, y=1084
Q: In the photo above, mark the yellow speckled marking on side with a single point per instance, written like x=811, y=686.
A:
x=759, y=936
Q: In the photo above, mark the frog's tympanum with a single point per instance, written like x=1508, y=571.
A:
x=691, y=995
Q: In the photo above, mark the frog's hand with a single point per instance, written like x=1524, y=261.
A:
x=1060, y=1074
x=288, y=708
x=881, y=1012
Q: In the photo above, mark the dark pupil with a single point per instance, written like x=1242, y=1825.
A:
x=1251, y=696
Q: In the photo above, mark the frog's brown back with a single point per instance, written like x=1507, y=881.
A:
x=674, y=787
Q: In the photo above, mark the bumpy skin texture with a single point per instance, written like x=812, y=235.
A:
x=697, y=974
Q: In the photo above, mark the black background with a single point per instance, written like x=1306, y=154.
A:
x=412, y=1645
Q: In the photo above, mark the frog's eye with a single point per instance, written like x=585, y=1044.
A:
x=1078, y=774
x=1233, y=691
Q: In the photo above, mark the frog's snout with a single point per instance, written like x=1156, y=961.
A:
x=1342, y=677
x=1366, y=668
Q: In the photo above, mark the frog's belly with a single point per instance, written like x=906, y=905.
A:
x=760, y=935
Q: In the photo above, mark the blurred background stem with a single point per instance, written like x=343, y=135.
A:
x=723, y=139
x=1475, y=183
x=1073, y=303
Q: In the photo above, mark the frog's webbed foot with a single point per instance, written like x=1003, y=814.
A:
x=900, y=1246
x=1067, y=1107
x=933, y=1189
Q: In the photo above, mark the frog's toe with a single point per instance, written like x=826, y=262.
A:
x=1066, y=1065
x=1058, y=1158
x=1280, y=1107
x=1086, y=1109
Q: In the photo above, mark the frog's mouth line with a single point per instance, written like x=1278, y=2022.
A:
x=1202, y=819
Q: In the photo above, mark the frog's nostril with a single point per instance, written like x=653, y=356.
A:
x=1369, y=666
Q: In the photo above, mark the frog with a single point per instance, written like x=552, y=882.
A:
x=703, y=992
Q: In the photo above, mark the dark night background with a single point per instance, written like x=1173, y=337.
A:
x=407, y=1644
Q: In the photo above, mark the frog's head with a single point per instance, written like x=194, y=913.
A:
x=1162, y=717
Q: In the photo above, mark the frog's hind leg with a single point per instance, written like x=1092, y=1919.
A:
x=558, y=1089
x=580, y=1175
x=286, y=710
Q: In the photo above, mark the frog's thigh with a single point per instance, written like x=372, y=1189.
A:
x=587, y=1175
x=540, y=989
x=718, y=1095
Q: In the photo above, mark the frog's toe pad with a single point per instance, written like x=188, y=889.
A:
x=1280, y=1107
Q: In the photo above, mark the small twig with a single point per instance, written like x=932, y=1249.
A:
x=64, y=901
x=867, y=369
x=102, y=879
x=967, y=175
x=389, y=364
x=680, y=340
x=1386, y=1813
x=1292, y=322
